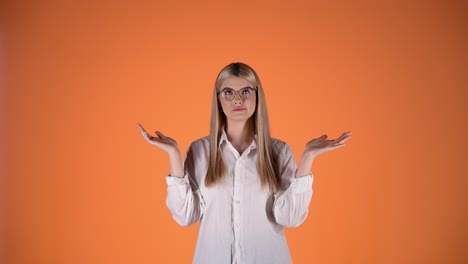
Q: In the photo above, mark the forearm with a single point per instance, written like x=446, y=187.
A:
x=176, y=166
x=290, y=206
x=305, y=165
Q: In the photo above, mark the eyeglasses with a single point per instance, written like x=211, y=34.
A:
x=229, y=94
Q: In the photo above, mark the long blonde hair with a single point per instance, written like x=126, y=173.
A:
x=266, y=162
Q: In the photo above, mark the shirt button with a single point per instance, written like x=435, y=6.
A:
x=237, y=202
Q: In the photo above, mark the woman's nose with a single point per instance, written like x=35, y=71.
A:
x=237, y=98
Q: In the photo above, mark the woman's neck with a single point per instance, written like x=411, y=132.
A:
x=240, y=134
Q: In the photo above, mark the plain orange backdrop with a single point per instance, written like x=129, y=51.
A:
x=79, y=185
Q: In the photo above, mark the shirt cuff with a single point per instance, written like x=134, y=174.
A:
x=302, y=184
x=176, y=181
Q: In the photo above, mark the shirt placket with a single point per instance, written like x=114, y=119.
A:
x=236, y=209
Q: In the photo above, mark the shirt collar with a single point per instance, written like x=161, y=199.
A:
x=223, y=138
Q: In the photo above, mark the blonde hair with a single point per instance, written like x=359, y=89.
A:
x=266, y=162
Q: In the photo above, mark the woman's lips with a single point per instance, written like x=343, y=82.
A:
x=239, y=110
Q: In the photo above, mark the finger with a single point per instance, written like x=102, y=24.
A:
x=155, y=139
x=343, y=136
x=317, y=140
x=339, y=145
x=139, y=127
x=346, y=136
x=161, y=135
x=142, y=129
x=148, y=137
x=336, y=142
x=336, y=145
x=145, y=135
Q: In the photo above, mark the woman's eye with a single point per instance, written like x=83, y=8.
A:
x=246, y=91
x=227, y=92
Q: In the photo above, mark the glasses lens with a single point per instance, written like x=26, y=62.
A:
x=245, y=93
x=228, y=94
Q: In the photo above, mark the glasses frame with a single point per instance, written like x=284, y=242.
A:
x=236, y=93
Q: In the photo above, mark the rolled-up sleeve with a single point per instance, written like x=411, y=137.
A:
x=291, y=203
x=183, y=195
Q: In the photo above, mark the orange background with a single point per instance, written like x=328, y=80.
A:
x=80, y=185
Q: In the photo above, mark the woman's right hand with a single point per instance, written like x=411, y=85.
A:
x=167, y=144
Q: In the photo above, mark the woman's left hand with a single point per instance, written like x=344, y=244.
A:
x=321, y=145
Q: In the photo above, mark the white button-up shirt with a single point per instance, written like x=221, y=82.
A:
x=239, y=221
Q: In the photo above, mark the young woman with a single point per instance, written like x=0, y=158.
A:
x=243, y=185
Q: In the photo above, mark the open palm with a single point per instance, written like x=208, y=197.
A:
x=321, y=145
x=167, y=144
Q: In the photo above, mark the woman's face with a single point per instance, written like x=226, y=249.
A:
x=238, y=109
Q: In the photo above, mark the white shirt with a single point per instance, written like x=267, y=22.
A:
x=239, y=221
